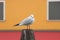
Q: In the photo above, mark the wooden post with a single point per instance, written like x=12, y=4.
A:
x=27, y=34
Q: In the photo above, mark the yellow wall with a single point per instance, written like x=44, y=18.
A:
x=17, y=10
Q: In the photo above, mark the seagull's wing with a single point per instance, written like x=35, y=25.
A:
x=26, y=21
x=22, y=22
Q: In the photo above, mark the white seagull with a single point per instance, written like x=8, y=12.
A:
x=27, y=21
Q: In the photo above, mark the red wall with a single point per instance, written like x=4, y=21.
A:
x=38, y=35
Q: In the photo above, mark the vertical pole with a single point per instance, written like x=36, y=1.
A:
x=27, y=35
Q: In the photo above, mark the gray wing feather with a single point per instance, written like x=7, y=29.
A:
x=27, y=21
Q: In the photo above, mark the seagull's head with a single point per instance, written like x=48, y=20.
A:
x=32, y=15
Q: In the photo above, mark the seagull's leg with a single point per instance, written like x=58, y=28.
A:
x=27, y=26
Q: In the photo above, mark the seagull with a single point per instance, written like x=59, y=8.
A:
x=27, y=21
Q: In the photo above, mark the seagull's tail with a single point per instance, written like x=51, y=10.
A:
x=16, y=25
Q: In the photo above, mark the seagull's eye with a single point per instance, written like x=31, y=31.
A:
x=31, y=17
